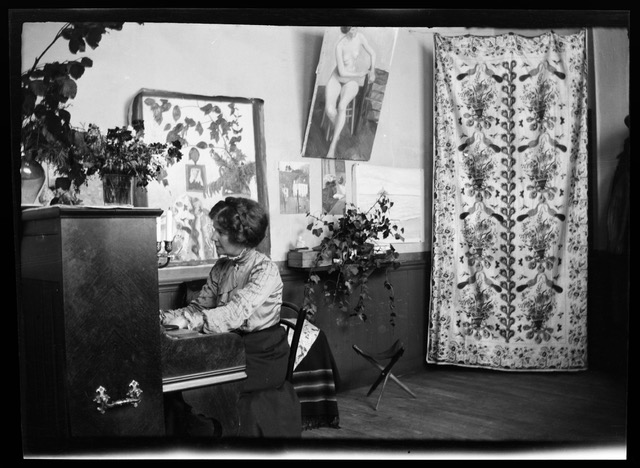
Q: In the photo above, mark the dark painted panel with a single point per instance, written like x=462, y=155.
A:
x=92, y=323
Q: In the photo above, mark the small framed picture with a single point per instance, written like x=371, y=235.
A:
x=196, y=177
x=294, y=187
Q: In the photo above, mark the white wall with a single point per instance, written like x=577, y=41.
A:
x=277, y=64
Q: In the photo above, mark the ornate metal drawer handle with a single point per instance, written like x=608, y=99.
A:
x=134, y=396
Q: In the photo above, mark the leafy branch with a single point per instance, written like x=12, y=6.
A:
x=47, y=134
x=349, y=245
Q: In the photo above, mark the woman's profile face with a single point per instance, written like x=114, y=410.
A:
x=224, y=245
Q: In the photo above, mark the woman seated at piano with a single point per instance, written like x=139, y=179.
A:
x=243, y=294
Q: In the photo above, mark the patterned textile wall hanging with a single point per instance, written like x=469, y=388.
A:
x=509, y=280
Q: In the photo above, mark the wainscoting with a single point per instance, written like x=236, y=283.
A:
x=608, y=314
x=411, y=286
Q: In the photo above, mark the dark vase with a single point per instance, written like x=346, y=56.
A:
x=66, y=194
x=63, y=183
x=117, y=189
x=32, y=178
x=476, y=322
x=541, y=183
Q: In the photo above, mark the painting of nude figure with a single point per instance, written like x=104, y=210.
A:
x=351, y=80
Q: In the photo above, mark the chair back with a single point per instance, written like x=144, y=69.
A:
x=300, y=314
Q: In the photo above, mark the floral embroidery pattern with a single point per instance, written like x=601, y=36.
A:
x=509, y=274
x=478, y=97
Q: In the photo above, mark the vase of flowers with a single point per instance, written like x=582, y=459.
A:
x=47, y=137
x=123, y=160
x=117, y=189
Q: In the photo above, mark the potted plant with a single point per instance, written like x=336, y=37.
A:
x=46, y=134
x=351, y=242
x=122, y=157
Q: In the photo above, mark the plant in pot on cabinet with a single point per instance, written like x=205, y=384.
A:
x=353, y=246
x=123, y=160
x=47, y=136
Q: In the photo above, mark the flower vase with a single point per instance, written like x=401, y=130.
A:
x=65, y=193
x=32, y=178
x=117, y=189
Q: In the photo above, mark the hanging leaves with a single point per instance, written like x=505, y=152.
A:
x=46, y=91
x=194, y=155
x=176, y=113
x=349, y=242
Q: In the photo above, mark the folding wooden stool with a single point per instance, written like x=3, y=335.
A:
x=393, y=354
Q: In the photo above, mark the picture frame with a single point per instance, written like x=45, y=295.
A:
x=195, y=177
x=337, y=129
x=293, y=178
x=224, y=154
x=404, y=186
x=335, y=194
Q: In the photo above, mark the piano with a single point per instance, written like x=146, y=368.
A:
x=94, y=361
x=207, y=369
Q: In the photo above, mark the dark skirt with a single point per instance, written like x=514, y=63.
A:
x=268, y=405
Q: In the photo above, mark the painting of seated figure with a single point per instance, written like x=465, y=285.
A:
x=351, y=81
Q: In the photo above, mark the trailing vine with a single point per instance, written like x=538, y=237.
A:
x=508, y=198
x=349, y=245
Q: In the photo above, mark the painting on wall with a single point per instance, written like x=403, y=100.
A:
x=196, y=177
x=404, y=187
x=351, y=81
x=334, y=187
x=294, y=187
x=223, y=151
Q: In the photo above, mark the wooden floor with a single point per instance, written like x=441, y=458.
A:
x=475, y=409
x=459, y=413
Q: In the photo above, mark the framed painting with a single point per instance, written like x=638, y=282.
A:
x=196, y=177
x=334, y=187
x=404, y=186
x=351, y=81
x=294, y=187
x=223, y=151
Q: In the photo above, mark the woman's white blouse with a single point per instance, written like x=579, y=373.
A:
x=241, y=293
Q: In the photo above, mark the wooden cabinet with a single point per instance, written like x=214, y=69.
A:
x=89, y=320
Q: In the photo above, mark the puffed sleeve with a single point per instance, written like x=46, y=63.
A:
x=207, y=299
x=264, y=279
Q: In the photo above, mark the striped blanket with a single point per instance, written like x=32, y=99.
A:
x=314, y=378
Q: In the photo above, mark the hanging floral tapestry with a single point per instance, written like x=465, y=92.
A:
x=509, y=279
